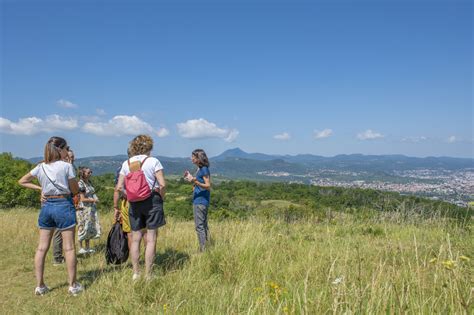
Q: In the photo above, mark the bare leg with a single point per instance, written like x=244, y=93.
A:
x=129, y=240
x=150, y=251
x=135, y=250
x=41, y=251
x=70, y=254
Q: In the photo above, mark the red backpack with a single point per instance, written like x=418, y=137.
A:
x=136, y=185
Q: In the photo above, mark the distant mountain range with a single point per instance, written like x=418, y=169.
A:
x=237, y=164
x=385, y=162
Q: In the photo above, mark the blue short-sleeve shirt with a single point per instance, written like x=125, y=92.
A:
x=201, y=196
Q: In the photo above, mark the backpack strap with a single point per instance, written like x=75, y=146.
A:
x=154, y=182
x=143, y=162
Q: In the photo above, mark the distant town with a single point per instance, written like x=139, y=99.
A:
x=456, y=187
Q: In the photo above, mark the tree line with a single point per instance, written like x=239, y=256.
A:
x=241, y=199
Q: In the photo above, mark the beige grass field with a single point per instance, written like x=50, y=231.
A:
x=379, y=265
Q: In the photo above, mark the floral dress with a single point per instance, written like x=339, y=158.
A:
x=88, y=226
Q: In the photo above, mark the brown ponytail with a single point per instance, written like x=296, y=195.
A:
x=52, y=149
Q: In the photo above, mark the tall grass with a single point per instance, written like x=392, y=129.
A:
x=342, y=264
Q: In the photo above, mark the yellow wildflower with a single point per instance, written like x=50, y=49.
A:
x=464, y=258
x=273, y=285
x=449, y=264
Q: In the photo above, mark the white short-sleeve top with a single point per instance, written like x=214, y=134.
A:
x=54, y=177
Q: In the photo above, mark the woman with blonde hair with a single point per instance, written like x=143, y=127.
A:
x=57, y=182
x=146, y=215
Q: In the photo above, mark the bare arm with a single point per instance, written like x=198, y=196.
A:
x=26, y=181
x=160, y=177
x=207, y=182
x=73, y=186
x=84, y=199
x=118, y=189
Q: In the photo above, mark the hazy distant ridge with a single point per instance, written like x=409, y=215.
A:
x=236, y=163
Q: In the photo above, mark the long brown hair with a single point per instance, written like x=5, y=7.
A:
x=201, y=156
x=52, y=149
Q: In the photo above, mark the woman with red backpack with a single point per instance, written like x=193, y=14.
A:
x=143, y=178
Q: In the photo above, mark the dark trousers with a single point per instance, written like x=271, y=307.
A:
x=57, y=246
x=200, y=223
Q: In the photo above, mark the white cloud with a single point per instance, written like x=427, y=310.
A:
x=100, y=111
x=201, y=128
x=322, y=134
x=66, y=104
x=415, y=139
x=162, y=132
x=452, y=139
x=56, y=122
x=122, y=125
x=5, y=125
x=369, y=135
x=283, y=136
x=34, y=125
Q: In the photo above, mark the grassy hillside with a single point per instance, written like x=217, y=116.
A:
x=386, y=263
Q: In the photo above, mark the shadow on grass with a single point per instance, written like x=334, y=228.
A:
x=99, y=250
x=87, y=278
x=167, y=261
x=171, y=260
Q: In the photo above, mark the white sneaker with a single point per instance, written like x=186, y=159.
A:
x=90, y=250
x=76, y=289
x=83, y=251
x=135, y=276
x=41, y=290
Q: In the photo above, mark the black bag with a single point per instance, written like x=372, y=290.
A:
x=117, y=245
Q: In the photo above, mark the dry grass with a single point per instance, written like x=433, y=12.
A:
x=258, y=267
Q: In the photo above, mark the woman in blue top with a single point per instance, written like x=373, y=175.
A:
x=201, y=195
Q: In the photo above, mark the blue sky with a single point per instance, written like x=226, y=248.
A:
x=280, y=77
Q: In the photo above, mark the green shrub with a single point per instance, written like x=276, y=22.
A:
x=12, y=194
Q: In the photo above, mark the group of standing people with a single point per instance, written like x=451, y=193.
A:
x=88, y=225
x=140, y=217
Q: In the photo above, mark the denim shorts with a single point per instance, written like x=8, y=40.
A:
x=57, y=214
